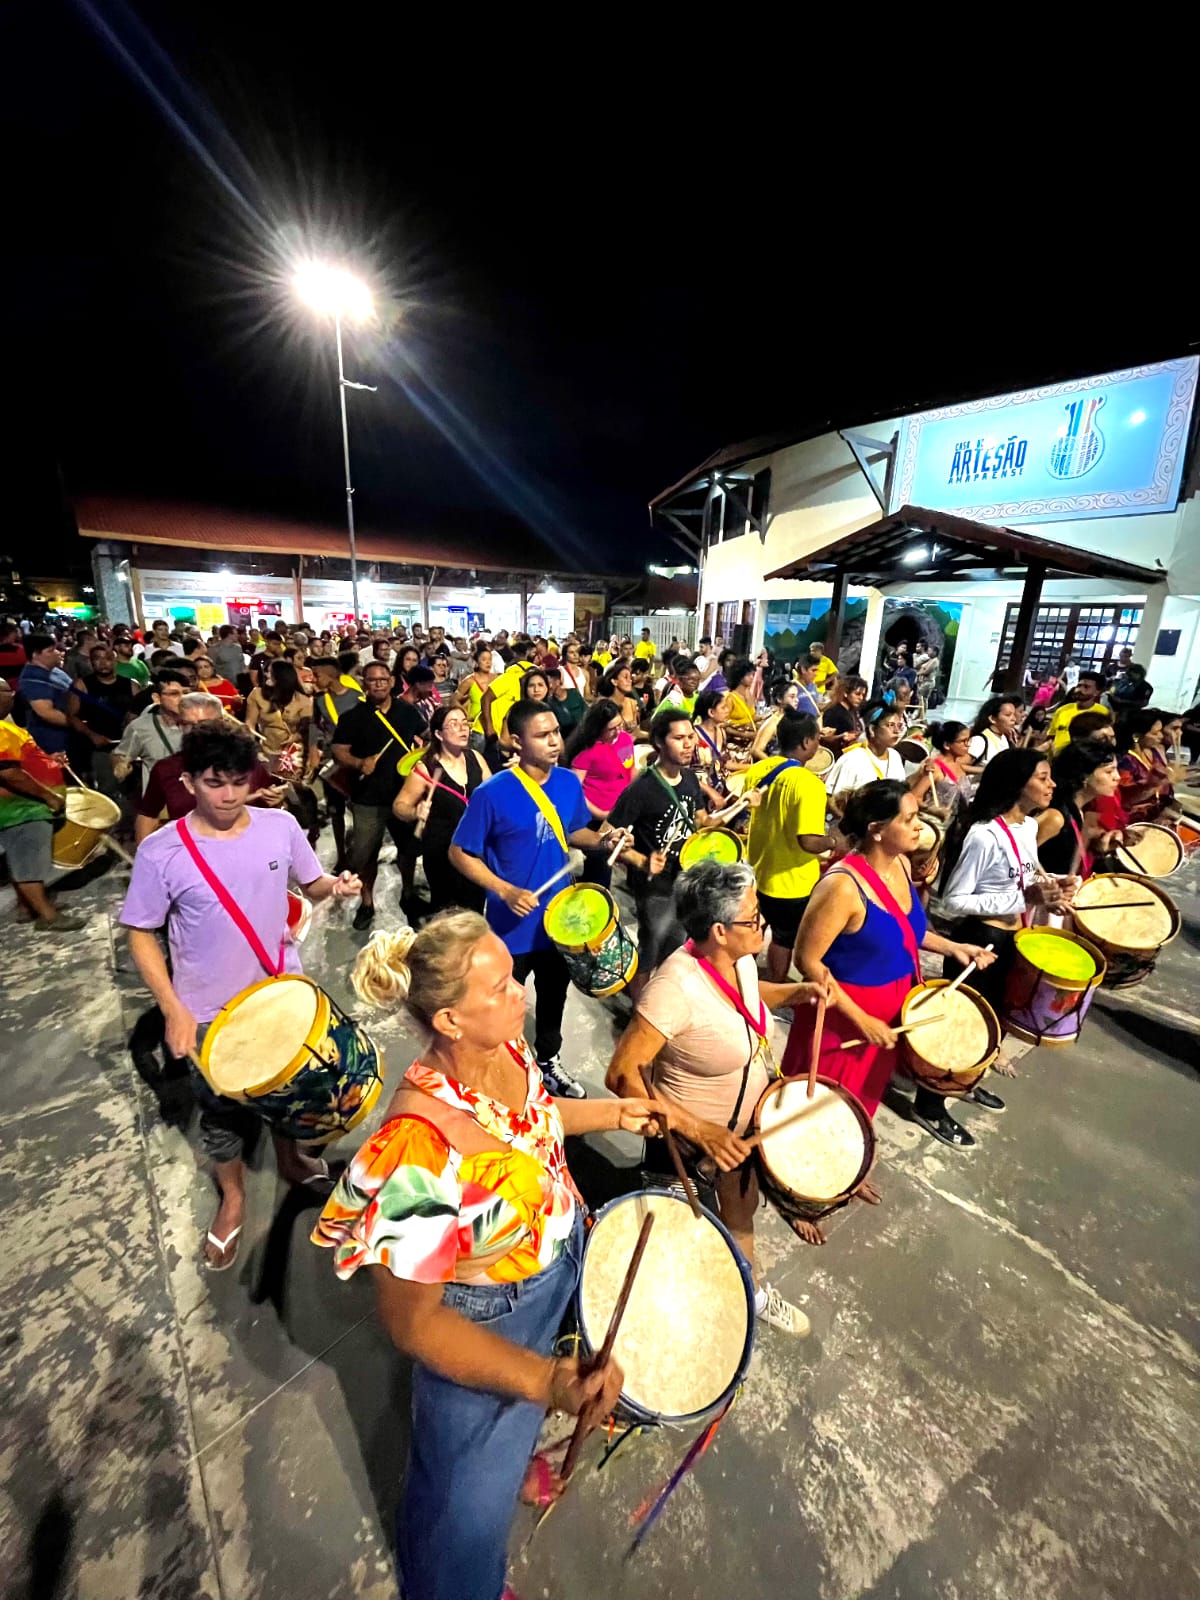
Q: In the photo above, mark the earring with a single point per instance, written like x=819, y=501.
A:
x=458, y=1035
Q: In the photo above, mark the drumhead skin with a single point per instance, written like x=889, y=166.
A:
x=256, y=1039
x=949, y=1055
x=688, y=1331
x=821, y=760
x=714, y=844
x=1157, y=852
x=579, y=916
x=821, y=1158
x=91, y=810
x=1151, y=921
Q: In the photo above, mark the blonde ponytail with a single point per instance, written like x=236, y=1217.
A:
x=425, y=971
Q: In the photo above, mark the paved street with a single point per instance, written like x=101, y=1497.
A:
x=999, y=1398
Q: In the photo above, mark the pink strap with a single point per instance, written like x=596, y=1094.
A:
x=1085, y=855
x=1012, y=844
x=230, y=904
x=890, y=904
x=731, y=994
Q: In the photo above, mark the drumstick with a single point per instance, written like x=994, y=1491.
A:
x=962, y=978
x=1136, y=860
x=618, y=847
x=814, y=1058
x=730, y=810
x=561, y=873
x=689, y=1187
x=582, y=1425
x=431, y=780
x=1115, y=905
x=110, y=843
x=904, y=1027
x=755, y=1139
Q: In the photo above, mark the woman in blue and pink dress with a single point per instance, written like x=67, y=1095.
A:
x=865, y=927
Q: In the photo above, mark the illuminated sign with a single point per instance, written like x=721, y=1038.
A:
x=1110, y=446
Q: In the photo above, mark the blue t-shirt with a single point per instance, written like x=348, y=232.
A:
x=46, y=683
x=506, y=829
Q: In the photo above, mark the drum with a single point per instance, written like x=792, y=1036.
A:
x=924, y=857
x=714, y=844
x=1189, y=836
x=1129, y=937
x=692, y=1280
x=951, y=1053
x=913, y=748
x=1051, y=984
x=1152, y=852
x=90, y=815
x=584, y=924
x=283, y=1047
x=735, y=783
x=812, y=1167
x=641, y=757
x=820, y=761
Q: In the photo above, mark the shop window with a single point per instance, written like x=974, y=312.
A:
x=1093, y=634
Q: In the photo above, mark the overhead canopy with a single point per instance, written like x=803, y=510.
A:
x=884, y=553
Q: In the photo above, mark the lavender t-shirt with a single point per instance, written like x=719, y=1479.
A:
x=211, y=958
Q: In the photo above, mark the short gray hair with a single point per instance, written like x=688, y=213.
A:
x=711, y=892
x=198, y=700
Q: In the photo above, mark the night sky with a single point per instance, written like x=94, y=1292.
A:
x=600, y=260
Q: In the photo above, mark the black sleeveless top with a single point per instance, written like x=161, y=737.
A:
x=445, y=812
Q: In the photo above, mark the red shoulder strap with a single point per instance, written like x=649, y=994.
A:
x=274, y=969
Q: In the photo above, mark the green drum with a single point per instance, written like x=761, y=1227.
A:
x=714, y=844
x=585, y=926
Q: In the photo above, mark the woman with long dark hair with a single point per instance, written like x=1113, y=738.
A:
x=713, y=760
x=991, y=880
x=994, y=728
x=864, y=927
x=952, y=786
x=1070, y=836
x=280, y=712
x=784, y=699
x=617, y=686
x=601, y=752
x=436, y=792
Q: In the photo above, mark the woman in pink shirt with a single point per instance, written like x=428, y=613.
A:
x=601, y=752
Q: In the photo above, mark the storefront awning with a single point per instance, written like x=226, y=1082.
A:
x=890, y=551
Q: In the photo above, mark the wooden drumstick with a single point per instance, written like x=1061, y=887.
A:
x=905, y=1027
x=561, y=873
x=756, y=1139
x=681, y=1172
x=431, y=779
x=814, y=1057
x=950, y=988
x=729, y=811
x=618, y=847
x=582, y=1426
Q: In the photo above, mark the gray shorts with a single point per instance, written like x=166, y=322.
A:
x=26, y=846
x=227, y=1127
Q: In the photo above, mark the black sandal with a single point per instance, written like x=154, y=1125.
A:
x=947, y=1130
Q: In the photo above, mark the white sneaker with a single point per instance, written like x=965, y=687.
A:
x=560, y=1081
x=780, y=1313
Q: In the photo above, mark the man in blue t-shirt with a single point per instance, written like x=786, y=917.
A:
x=513, y=837
x=47, y=690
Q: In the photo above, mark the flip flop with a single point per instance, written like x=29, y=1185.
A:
x=222, y=1245
x=326, y=1177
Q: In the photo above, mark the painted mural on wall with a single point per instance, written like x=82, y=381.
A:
x=930, y=624
x=792, y=625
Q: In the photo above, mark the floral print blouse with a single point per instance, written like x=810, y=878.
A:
x=412, y=1203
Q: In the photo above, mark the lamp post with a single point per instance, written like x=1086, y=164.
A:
x=334, y=292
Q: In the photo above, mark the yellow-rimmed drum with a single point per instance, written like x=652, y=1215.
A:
x=584, y=925
x=1050, y=986
x=1151, y=851
x=89, y=816
x=283, y=1047
x=713, y=844
x=1129, y=920
x=957, y=1041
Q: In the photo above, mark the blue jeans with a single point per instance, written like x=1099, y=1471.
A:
x=471, y=1448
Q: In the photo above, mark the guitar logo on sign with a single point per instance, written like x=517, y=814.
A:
x=1080, y=443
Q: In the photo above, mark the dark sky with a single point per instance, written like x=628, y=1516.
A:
x=602, y=260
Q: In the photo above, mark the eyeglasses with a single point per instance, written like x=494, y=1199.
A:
x=758, y=921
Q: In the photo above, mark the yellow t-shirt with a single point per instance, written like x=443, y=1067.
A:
x=1060, y=722
x=506, y=691
x=602, y=656
x=825, y=666
x=794, y=803
x=644, y=650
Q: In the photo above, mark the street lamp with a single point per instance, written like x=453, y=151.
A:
x=336, y=293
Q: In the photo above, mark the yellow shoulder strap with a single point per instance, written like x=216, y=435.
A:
x=399, y=738
x=537, y=794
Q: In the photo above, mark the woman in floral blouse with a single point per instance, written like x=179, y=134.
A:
x=464, y=1210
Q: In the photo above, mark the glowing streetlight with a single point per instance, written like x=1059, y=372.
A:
x=334, y=292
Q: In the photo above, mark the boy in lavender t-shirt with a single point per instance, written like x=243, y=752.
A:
x=253, y=854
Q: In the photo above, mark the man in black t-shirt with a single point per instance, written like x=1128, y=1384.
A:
x=371, y=741
x=99, y=703
x=664, y=807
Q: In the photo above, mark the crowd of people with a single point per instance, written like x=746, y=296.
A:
x=489, y=764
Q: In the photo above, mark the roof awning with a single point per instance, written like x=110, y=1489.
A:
x=883, y=552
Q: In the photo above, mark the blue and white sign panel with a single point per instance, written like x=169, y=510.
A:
x=1111, y=446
